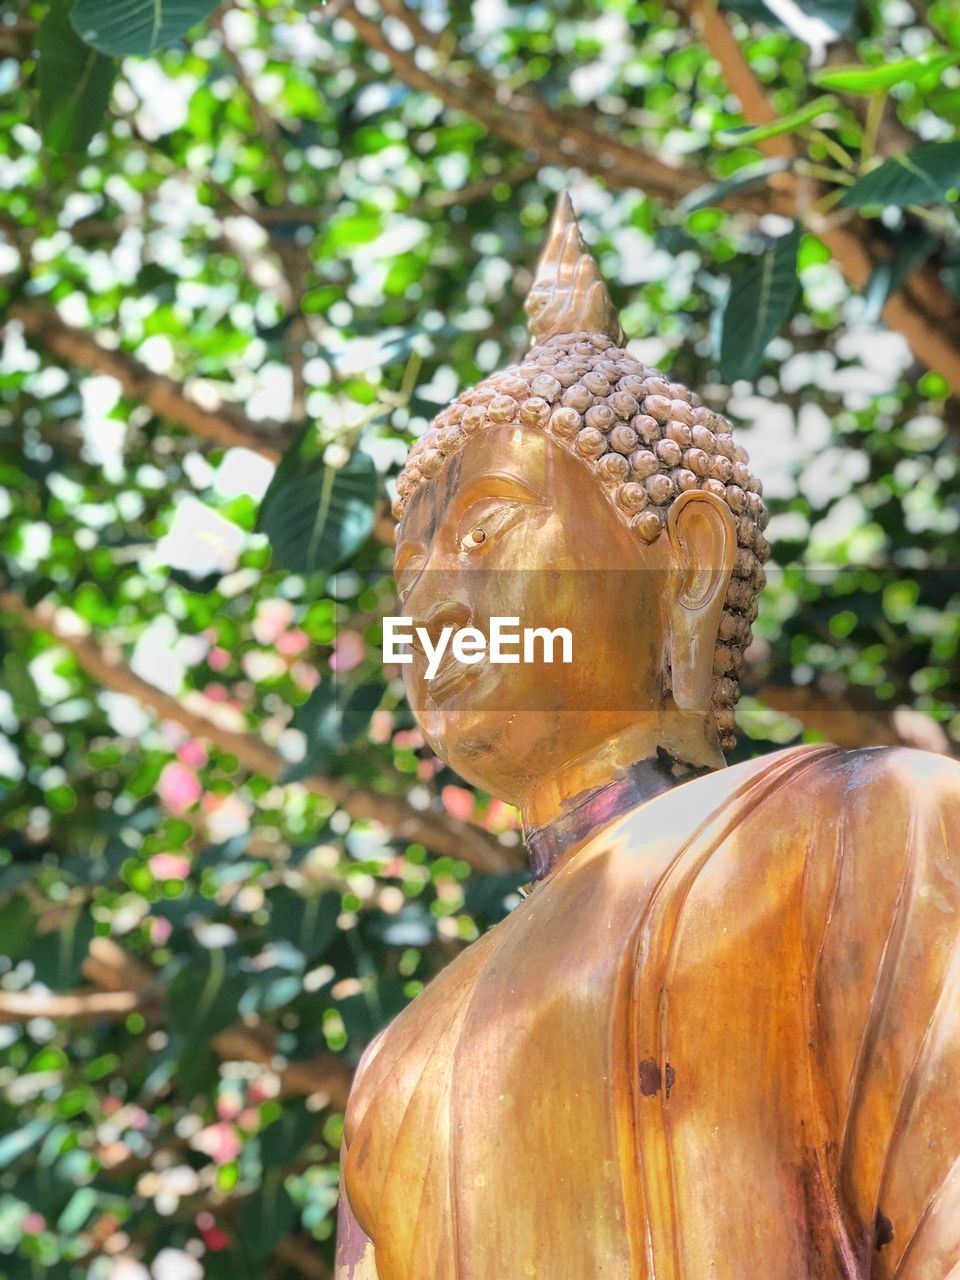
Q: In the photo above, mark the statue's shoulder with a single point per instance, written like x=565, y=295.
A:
x=923, y=776
x=848, y=771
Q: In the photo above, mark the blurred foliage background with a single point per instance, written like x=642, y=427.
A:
x=246, y=253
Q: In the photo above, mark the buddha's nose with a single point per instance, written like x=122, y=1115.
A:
x=448, y=613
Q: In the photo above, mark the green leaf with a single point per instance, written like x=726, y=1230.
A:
x=17, y=924
x=20, y=1141
x=915, y=246
x=314, y=515
x=761, y=297
x=78, y=1210
x=58, y=956
x=283, y=1140
x=137, y=26
x=309, y=922
x=267, y=1216
x=203, y=998
x=924, y=70
x=750, y=175
x=748, y=135
x=74, y=82
x=922, y=175
x=330, y=719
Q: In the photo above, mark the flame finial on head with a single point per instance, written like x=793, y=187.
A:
x=568, y=294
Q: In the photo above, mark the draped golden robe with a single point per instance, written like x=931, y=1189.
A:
x=721, y=1039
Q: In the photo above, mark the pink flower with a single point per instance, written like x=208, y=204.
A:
x=138, y=1119
x=273, y=618
x=228, y=1106
x=500, y=817
x=348, y=651
x=249, y=1120
x=169, y=866
x=178, y=787
x=306, y=675
x=219, y=1141
x=193, y=754
x=292, y=642
x=458, y=802
x=160, y=930
x=215, y=1239
x=218, y=659
x=411, y=738
x=381, y=725
x=33, y=1224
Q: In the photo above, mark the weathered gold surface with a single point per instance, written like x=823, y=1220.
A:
x=721, y=1038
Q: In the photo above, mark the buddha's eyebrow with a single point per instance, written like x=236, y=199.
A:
x=495, y=484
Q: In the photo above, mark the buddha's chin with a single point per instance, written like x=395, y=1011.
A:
x=487, y=748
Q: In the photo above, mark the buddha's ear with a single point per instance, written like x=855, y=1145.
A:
x=703, y=540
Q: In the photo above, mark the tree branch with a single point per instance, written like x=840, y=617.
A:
x=225, y=426
x=568, y=137
x=441, y=834
x=125, y=985
x=298, y=1253
x=855, y=719
x=922, y=311
x=21, y=1006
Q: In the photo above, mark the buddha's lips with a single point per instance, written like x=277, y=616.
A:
x=451, y=677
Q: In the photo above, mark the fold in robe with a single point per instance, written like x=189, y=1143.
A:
x=721, y=1039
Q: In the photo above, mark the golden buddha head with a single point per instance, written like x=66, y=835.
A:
x=580, y=488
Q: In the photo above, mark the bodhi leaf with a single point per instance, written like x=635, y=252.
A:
x=924, y=70
x=922, y=175
x=74, y=82
x=761, y=297
x=330, y=719
x=750, y=175
x=915, y=246
x=136, y=26
x=750, y=135
x=315, y=515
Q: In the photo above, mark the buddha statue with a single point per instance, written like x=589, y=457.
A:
x=720, y=1036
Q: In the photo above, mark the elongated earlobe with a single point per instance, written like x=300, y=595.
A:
x=703, y=540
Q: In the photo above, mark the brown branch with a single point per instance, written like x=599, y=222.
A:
x=224, y=426
x=125, y=985
x=922, y=311
x=298, y=1253
x=855, y=719
x=568, y=137
x=21, y=1006
x=481, y=189
x=324, y=1074
x=441, y=834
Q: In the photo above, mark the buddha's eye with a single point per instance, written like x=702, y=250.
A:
x=407, y=572
x=485, y=521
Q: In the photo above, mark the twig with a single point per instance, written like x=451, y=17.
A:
x=441, y=834
x=225, y=426
x=21, y=1006
x=297, y=1253
x=567, y=138
x=922, y=310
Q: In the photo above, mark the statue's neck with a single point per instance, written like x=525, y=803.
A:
x=638, y=783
